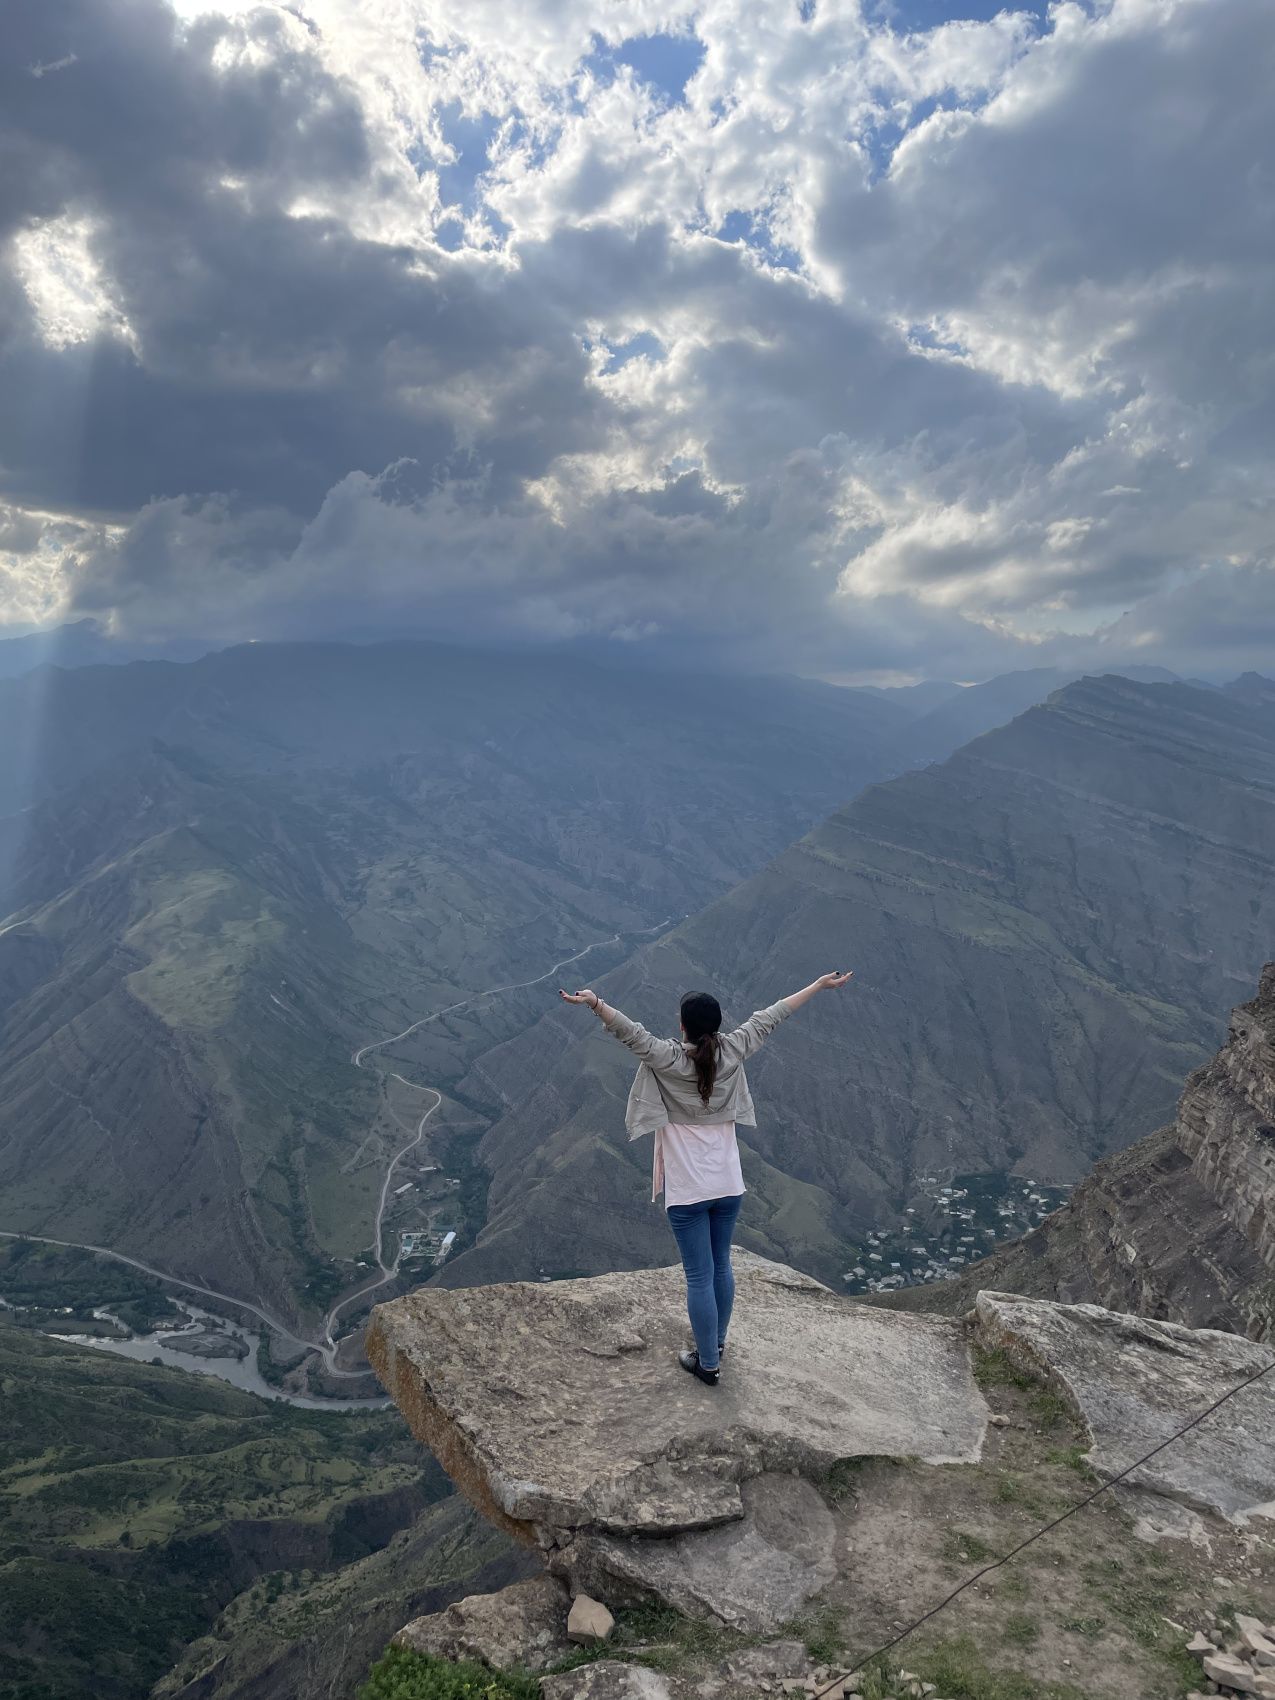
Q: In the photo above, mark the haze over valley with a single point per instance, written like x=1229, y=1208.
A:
x=284, y=927
x=233, y=876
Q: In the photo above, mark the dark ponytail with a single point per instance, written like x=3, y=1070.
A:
x=701, y=1022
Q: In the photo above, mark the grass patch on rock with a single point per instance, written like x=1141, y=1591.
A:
x=406, y=1675
x=960, y=1547
x=959, y=1672
x=662, y=1639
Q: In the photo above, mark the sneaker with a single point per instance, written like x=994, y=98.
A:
x=690, y=1362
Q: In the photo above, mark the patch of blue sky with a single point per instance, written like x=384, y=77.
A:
x=535, y=148
x=470, y=138
x=916, y=15
x=755, y=233
x=880, y=140
x=452, y=234
x=665, y=62
x=644, y=346
x=926, y=337
x=737, y=226
x=429, y=52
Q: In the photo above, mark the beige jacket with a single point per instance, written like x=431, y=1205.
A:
x=664, y=1089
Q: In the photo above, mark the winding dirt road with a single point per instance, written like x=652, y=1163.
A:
x=329, y=1346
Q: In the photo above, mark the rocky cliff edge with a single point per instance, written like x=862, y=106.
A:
x=852, y=1465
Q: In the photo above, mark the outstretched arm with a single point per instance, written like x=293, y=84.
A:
x=825, y=982
x=602, y=1010
x=644, y=1045
x=762, y=1023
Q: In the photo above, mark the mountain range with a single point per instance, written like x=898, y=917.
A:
x=85, y=643
x=219, y=880
x=1046, y=931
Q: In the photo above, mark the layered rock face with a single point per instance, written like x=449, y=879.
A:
x=1182, y=1225
x=560, y=1410
x=1226, y=1126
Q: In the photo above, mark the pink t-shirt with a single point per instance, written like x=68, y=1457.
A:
x=695, y=1161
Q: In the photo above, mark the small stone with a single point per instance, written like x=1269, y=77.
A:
x=1200, y=1645
x=999, y=1420
x=589, y=1621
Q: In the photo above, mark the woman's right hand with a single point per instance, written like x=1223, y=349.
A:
x=586, y=996
x=827, y=981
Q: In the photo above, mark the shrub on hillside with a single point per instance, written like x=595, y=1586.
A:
x=404, y=1675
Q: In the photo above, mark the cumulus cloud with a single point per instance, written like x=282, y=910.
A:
x=844, y=346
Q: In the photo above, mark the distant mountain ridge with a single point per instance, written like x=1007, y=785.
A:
x=963, y=714
x=85, y=643
x=1043, y=929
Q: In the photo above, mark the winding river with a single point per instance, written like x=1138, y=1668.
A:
x=240, y=1372
x=243, y=1372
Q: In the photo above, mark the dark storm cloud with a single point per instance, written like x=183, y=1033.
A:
x=986, y=363
x=276, y=352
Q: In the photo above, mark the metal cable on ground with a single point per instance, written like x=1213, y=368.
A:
x=862, y=1664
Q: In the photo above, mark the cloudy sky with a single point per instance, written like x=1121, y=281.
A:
x=872, y=338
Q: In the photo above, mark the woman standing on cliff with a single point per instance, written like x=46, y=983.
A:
x=690, y=1093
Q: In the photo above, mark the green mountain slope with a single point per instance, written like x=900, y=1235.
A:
x=136, y=1502
x=1045, y=931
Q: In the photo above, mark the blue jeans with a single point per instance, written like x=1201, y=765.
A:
x=703, y=1232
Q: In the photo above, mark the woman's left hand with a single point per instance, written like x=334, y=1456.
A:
x=586, y=996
